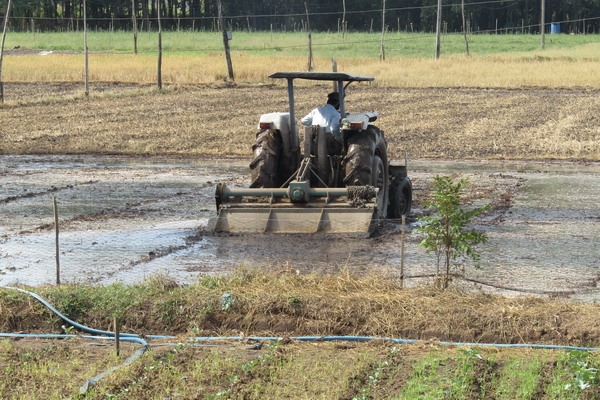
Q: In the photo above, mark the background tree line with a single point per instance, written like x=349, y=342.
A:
x=498, y=16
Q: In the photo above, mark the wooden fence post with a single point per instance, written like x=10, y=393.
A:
x=56, y=232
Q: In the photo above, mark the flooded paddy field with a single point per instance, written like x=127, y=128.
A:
x=126, y=219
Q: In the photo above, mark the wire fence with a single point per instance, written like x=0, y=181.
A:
x=40, y=24
x=500, y=16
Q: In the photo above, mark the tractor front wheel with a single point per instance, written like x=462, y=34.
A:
x=400, y=198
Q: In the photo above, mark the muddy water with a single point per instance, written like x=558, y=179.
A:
x=126, y=219
x=547, y=242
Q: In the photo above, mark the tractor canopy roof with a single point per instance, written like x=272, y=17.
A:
x=338, y=77
x=323, y=76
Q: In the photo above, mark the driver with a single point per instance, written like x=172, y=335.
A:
x=326, y=116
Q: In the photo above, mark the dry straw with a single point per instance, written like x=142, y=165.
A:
x=531, y=69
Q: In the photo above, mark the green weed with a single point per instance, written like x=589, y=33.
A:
x=426, y=381
x=354, y=44
x=519, y=378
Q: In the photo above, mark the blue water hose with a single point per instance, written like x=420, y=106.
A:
x=67, y=320
x=67, y=336
x=132, y=336
x=104, y=335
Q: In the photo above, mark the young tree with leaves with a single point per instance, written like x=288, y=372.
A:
x=446, y=229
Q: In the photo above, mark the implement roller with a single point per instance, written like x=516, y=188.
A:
x=307, y=210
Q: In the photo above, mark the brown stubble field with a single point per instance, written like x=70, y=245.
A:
x=220, y=120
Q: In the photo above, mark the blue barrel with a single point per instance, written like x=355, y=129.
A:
x=555, y=27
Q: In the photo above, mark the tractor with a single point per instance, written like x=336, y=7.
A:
x=326, y=185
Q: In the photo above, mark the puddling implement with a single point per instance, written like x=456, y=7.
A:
x=295, y=209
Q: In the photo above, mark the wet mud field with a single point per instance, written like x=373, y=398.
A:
x=125, y=219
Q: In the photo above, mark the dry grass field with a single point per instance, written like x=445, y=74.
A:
x=219, y=120
x=535, y=104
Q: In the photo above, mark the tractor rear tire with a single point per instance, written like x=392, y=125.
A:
x=267, y=152
x=400, y=198
x=365, y=164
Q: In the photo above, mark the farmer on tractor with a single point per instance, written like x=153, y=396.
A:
x=328, y=117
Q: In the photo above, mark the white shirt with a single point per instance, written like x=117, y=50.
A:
x=326, y=116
